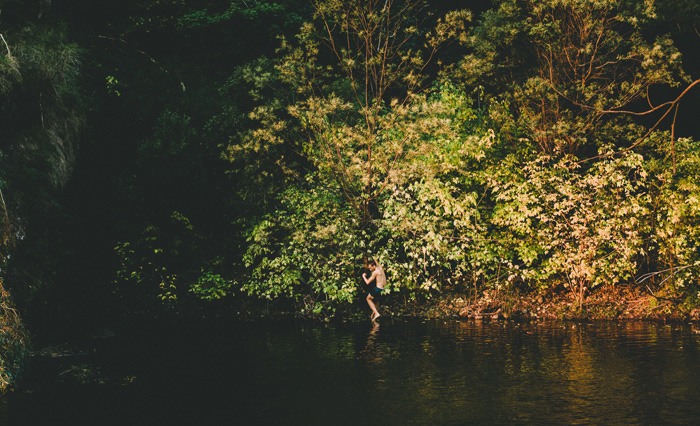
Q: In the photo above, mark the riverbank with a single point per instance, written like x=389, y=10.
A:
x=613, y=303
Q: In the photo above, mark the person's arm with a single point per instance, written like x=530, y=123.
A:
x=371, y=278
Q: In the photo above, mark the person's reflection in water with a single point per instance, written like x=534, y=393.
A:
x=371, y=351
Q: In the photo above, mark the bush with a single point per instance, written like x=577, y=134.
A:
x=13, y=342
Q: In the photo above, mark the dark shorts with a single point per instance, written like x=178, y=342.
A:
x=375, y=291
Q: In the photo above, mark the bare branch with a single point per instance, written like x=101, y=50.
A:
x=6, y=233
x=9, y=53
x=671, y=106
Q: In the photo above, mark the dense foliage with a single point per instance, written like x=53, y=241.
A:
x=41, y=118
x=522, y=164
x=165, y=156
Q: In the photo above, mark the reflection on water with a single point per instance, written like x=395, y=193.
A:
x=372, y=352
x=388, y=373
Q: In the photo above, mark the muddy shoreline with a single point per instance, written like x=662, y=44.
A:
x=614, y=303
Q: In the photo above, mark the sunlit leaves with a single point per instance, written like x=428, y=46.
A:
x=584, y=228
x=575, y=68
x=481, y=178
x=307, y=248
x=676, y=219
x=211, y=286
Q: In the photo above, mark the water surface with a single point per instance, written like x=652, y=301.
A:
x=391, y=373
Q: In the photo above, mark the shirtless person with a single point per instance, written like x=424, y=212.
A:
x=379, y=279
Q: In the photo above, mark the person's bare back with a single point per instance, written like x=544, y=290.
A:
x=378, y=277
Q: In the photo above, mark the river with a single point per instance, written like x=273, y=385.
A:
x=393, y=372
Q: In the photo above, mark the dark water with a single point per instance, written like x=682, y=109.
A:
x=397, y=373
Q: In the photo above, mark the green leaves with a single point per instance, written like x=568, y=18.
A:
x=522, y=166
x=211, y=286
x=676, y=216
x=574, y=70
x=309, y=247
x=578, y=226
x=236, y=9
x=365, y=148
x=161, y=268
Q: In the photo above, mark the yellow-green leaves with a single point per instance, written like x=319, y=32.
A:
x=580, y=227
x=574, y=70
x=520, y=167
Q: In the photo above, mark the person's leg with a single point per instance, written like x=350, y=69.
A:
x=373, y=307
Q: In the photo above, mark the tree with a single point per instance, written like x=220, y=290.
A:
x=354, y=97
x=574, y=73
x=672, y=247
x=170, y=70
x=41, y=118
x=583, y=229
x=361, y=120
x=582, y=91
x=41, y=121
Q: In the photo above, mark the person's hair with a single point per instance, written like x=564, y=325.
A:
x=372, y=262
